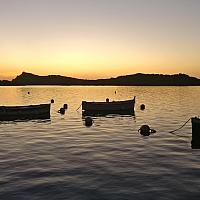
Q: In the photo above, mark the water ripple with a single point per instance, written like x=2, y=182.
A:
x=62, y=159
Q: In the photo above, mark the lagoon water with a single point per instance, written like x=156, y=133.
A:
x=62, y=159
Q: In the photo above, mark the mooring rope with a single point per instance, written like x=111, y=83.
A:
x=78, y=107
x=180, y=127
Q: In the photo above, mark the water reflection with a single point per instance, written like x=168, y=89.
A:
x=35, y=121
x=62, y=159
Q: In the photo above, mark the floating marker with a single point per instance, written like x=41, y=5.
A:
x=145, y=130
x=62, y=111
x=142, y=107
x=88, y=121
x=195, y=133
x=65, y=106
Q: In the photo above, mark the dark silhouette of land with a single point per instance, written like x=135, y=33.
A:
x=138, y=79
x=5, y=83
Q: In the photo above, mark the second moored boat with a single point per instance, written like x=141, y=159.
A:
x=109, y=107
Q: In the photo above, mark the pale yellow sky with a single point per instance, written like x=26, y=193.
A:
x=87, y=39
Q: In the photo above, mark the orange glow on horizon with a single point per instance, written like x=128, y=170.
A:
x=99, y=44
x=96, y=61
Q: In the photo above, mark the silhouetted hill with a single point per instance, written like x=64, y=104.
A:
x=156, y=80
x=135, y=80
x=5, y=83
x=32, y=79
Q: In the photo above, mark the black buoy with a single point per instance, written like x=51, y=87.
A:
x=145, y=130
x=88, y=121
x=62, y=111
x=115, y=92
x=142, y=107
x=28, y=92
x=65, y=106
x=52, y=100
x=107, y=100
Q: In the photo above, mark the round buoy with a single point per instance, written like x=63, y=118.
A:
x=142, y=106
x=65, y=106
x=145, y=130
x=28, y=92
x=88, y=121
x=107, y=100
x=62, y=111
x=52, y=100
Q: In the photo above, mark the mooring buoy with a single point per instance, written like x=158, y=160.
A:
x=65, y=106
x=52, y=100
x=145, y=130
x=62, y=111
x=142, y=107
x=88, y=121
x=195, y=133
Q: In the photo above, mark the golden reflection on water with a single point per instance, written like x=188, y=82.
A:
x=164, y=105
x=110, y=157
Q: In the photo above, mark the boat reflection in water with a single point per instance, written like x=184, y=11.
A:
x=104, y=108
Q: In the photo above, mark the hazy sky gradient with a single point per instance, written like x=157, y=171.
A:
x=99, y=38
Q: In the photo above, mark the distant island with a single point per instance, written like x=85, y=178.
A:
x=138, y=79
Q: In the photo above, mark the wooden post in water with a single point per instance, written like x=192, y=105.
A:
x=195, y=133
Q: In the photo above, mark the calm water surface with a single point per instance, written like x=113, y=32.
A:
x=63, y=159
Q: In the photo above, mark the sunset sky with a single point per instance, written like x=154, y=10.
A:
x=99, y=38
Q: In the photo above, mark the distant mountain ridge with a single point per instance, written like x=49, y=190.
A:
x=138, y=79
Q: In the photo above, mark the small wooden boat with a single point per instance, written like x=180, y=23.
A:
x=195, y=133
x=112, y=107
x=10, y=113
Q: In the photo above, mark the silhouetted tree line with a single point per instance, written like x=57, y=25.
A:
x=138, y=79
